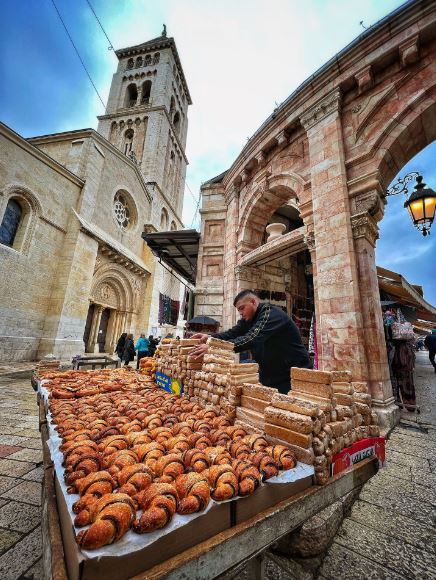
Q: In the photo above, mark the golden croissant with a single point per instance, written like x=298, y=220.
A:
x=193, y=492
x=159, y=504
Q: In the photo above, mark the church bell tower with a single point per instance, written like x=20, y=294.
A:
x=146, y=116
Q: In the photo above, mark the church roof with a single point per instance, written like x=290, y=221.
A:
x=157, y=44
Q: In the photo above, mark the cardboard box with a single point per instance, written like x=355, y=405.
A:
x=270, y=494
x=216, y=520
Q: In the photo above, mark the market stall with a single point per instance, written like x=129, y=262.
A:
x=135, y=474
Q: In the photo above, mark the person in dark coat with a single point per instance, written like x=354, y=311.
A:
x=120, y=345
x=129, y=350
x=430, y=343
x=152, y=345
x=270, y=334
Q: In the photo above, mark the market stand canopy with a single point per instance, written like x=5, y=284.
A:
x=400, y=290
x=178, y=249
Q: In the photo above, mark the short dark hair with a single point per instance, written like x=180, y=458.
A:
x=244, y=294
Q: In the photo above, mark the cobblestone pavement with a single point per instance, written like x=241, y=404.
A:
x=391, y=531
x=389, y=534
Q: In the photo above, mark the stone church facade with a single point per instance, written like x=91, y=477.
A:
x=320, y=164
x=75, y=271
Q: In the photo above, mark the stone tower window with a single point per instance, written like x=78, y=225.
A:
x=10, y=222
x=173, y=226
x=139, y=61
x=146, y=90
x=176, y=122
x=130, y=63
x=147, y=60
x=172, y=106
x=128, y=141
x=156, y=58
x=164, y=220
x=131, y=95
x=122, y=212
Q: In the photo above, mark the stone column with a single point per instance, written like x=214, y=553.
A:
x=95, y=325
x=231, y=229
x=365, y=232
x=339, y=316
x=309, y=238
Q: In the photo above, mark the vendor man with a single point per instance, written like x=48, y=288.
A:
x=270, y=334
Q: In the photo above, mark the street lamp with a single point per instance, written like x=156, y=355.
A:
x=421, y=203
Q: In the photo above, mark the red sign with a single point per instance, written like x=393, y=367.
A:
x=358, y=452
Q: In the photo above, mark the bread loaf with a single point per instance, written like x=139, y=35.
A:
x=251, y=417
x=248, y=427
x=317, y=389
x=360, y=387
x=362, y=398
x=290, y=403
x=288, y=419
x=217, y=343
x=304, y=455
x=259, y=391
x=341, y=376
x=311, y=376
x=252, y=403
x=344, y=388
x=324, y=404
x=341, y=399
x=289, y=436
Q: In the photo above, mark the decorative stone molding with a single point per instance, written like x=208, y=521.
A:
x=409, y=51
x=364, y=226
x=261, y=158
x=330, y=104
x=245, y=273
x=309, y=240
x=244, y=176
x=370, y=203
x=365, y=79
x=150, y=229
x=282, y=139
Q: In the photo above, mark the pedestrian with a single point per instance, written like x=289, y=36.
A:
x=120, y=345
x=430, y=343
x=270, y=334
x=142, y=346
x=152, y=345
x=129, y=350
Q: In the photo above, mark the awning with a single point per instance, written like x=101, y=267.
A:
x=177, y=249
x=400, y=290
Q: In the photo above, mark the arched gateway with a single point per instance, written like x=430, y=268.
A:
x=333, y=147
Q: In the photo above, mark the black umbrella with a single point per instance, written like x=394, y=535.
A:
x=203, y=320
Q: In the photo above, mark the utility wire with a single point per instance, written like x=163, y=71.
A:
x=110, y=47
x=77, y=52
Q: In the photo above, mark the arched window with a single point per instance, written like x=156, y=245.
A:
x=11, y=222
x=156, y=58
x=147, y=60
x=131, y=95
x=172, y=106
x=164, y=220
x=173, y=226
x=130, y=63
x=139, y=61
x=146, y=90
x=176, y=122
x=124, y=210
x=128, y=141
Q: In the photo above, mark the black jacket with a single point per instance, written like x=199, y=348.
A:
x=129, y=351
x=274, y=341
x=430, y=342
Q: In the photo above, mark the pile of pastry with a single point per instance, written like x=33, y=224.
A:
x=155, y=452
x=147, y=366
x=76, y=384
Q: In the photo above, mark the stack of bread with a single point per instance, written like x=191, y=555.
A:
x=45, y=366
x=254, y=399
x=147, y=366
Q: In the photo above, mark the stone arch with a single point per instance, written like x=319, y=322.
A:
x=31, y=210
x=115, y=277
x=271, y=194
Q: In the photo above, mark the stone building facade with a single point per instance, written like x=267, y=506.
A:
x=76, y=272
x=330, y=150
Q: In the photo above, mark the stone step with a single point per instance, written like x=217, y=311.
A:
x=414, y=450
x=341, y=563
x=395, y=524
x=402, y=439
x=393, y=553
x=408, y=460
x=385, y=481
x=431, y=435
x=402, y=503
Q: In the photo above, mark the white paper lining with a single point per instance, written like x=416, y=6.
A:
x=132, y=542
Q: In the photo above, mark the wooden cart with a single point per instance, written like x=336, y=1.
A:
x=228, y=550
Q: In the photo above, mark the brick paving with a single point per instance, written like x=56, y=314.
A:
x=389, y=534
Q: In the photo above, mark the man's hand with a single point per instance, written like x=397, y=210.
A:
x=200, y=335
x=199, y=350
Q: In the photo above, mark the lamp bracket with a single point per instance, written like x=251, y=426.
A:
x=400, y=186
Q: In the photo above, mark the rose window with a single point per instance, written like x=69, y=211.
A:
x=121, y=211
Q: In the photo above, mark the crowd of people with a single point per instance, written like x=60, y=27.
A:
x=126, y=348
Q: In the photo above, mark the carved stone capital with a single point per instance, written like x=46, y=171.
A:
x=231, y=193
x=330, y=104
x=409, y=51
x=149, y=229
x=282, y=139
x=244, y=273
x=364, y=79
x=364, y=226
x=244, y=176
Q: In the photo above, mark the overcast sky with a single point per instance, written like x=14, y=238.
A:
x=240, y=58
